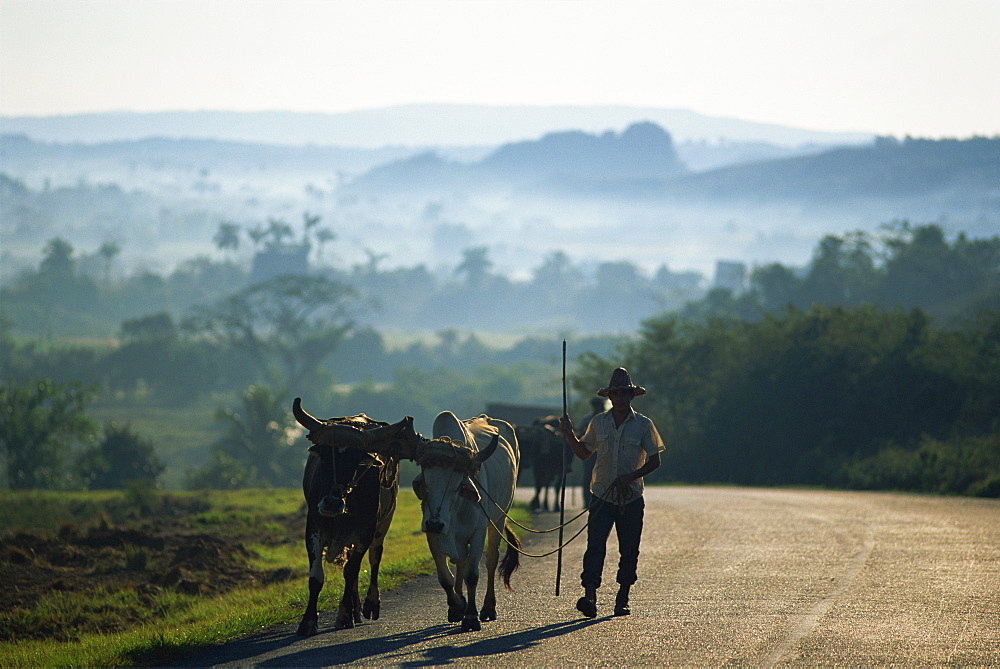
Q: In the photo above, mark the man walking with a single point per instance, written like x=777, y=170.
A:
x=597, y=405
x=627, y=447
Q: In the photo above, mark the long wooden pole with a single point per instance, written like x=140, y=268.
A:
x=562, y=501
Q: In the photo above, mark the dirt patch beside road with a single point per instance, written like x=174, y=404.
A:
x=133, y=566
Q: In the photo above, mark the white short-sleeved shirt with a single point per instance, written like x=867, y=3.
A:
x=619, y=451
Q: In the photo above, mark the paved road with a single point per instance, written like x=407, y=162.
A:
x=728, y=576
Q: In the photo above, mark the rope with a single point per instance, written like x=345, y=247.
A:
x=347, y=489
x=624, y=493
x=522, y=552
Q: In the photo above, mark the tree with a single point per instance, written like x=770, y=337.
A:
x=153, y=359
x=108, y=252
x=58, y=263
x=257, y=234
x=228, y=236
x=38, y=423
x=279, y=230
x=120, y=459
x=323, y=235
x=475, y=265
x=920, y=267
x=258, y=447
x=371, y=267
x=826, y=282
x=556, y=276
x=775, y=285
x=55, y=299
x=808, y=397
x=287, y=325
x=309, y=221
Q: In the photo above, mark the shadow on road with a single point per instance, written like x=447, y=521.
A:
x=396, y=649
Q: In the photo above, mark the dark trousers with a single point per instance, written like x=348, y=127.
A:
x=627, y=522
x=588, y=473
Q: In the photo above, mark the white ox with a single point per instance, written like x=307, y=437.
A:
x=466, y=487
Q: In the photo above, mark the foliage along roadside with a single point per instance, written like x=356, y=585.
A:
x=845, y=397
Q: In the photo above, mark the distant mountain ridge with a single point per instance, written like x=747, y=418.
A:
x=18, y=150
x=643, y=150
x=641, y=162
x=163, y=198
x=887, y=168
x=424, y=125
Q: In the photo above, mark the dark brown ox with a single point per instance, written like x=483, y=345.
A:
x=350, y=491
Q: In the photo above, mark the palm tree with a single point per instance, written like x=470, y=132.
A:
x=279, y=230
x=475, y=265
x=323, y=235
x=308, y=223
x=228, y=236
x=256, y=235
x=371, y=267
x=108, y=251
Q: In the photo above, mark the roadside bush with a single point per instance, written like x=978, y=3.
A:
x=969, y=467
x=120, y=459
x=39, y=421
x=223, y=472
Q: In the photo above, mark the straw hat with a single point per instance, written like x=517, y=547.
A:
x=620, y=381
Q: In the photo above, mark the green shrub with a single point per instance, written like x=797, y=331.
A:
x=968, y=466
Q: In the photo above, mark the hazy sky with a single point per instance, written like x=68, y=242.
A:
x=926, y=68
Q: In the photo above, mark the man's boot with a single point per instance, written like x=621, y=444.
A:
x=621, y=601
x=587, y=605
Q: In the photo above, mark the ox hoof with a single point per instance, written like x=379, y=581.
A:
x=456, y=613
x=344, y=622
x=371, y=609
x=308, y=628
x=471, y=624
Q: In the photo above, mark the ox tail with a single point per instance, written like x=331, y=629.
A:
x=511, y=558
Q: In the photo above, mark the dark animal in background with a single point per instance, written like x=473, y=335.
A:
x=351, y=497
x=544, y=450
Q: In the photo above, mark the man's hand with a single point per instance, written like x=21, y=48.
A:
x=566, y=426
x=625, y=479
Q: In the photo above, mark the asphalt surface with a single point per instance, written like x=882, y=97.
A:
x=728, y=576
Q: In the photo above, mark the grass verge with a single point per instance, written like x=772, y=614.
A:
x=132, y=616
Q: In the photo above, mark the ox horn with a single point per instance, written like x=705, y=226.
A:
x=397, y=440
x=482, y=455
x=304, y=419
x=320, y=432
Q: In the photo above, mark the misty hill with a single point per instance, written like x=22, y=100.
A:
x=161, y=200
x=888, y=168
x=642, y=151
x=22, y=154
x=641, y=162
x=425, y=125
